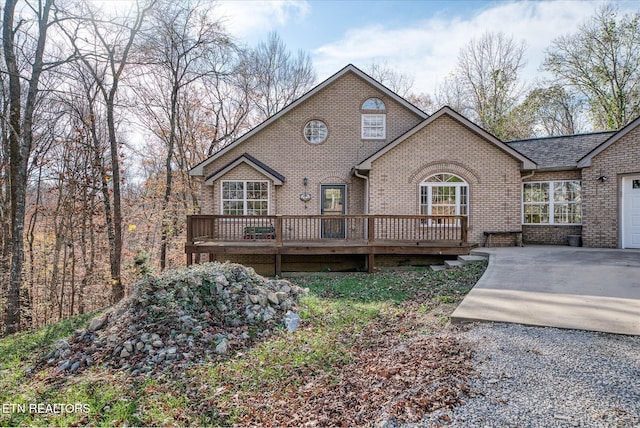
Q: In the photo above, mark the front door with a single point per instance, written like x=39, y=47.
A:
x=631, y=212
x=333, y=204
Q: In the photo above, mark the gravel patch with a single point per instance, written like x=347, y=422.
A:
x=546, y=377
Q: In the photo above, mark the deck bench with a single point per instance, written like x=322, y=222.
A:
x=490, y=233
x=259, y=232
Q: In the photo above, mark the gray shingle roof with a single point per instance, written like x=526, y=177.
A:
x=559, y=152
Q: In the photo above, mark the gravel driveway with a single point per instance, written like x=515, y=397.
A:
x=547, y=377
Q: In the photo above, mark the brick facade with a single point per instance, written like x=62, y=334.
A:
x=446, y=146
x=443, y=144
x=283, y=148
x=601, y=204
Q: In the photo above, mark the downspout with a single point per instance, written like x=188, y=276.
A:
x=366, y=189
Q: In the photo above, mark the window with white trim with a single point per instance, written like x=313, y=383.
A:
x=552, y=202
x=444, y=194
x=245, y=197
x=315, y=131
x=374, y=120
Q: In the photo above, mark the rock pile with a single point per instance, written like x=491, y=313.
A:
x=182, y=317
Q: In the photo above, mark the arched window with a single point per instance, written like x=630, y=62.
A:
x=444, y=194
x=373, y=104
x=374, y=121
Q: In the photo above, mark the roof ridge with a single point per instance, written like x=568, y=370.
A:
x=585, y=134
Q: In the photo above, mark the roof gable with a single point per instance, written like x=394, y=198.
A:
x=586, y=160
x=276, y=177
x=526, y=162
x=198, y=170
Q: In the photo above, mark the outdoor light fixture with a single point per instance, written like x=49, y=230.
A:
x=305, y=197
x=602, y=178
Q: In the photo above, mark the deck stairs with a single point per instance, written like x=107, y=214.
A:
x=460, y=261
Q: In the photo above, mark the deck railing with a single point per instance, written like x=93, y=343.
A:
x=280, y=229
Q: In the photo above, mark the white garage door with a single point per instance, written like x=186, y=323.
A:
x=631, y=212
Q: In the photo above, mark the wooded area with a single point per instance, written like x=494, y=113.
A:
x=104, y=111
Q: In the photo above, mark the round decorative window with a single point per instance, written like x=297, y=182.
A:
x=315, y=131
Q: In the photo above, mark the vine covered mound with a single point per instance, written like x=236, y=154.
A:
x=179, y=318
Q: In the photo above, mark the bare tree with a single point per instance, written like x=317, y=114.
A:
x=553, y=111
x=399, y=83
x=278, y=77
x=104, y=47
x=20, y=129
x=602, y=62
x=486, y=83
x=185, y=47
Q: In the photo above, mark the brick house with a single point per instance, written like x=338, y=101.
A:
x=353, y=149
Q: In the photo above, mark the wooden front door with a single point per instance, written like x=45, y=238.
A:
x=333, y=204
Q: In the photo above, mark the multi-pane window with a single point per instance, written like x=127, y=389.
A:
x=373, y=126
x=315, y=131
x=245, y=197
x=444, y=194
x=374, y=119
x=552, y=202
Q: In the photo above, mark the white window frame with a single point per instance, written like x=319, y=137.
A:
x=367, y=128
x=244, y=199
x=315, y=131
x=429, y=185
x=551, y=203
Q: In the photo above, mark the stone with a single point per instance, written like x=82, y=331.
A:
x=97, y=323
x=61, y=344
x=179, y=319
x=273, y=298
x=223, y=347
x=64, y=366
x=285, y=288
x=291, y=321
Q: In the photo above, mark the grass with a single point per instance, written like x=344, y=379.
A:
x=343, y=318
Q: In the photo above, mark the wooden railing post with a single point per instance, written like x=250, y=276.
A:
x=463, y=229
x=371, y=231
x=278, y=230
x=189, y=229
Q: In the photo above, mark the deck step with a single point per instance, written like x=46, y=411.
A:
x=453, y=263
x=438, y=268
x=472, y=259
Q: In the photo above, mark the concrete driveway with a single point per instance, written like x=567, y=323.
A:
x=557, y=286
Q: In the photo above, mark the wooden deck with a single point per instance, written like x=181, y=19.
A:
x=367, y=235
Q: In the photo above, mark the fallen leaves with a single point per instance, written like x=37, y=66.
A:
x=394, y=373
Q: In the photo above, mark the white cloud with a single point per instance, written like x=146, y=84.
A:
x=428, y=50
x=250, y=20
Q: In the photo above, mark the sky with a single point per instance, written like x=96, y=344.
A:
x=418, y=38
